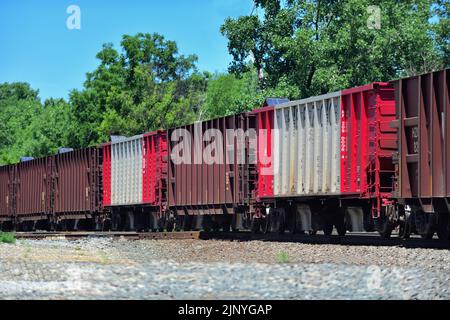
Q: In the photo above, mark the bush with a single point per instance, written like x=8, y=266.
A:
x=7, y=237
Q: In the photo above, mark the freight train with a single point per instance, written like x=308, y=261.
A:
x=375, y=157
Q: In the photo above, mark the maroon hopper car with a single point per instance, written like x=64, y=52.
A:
x=219, y=191
x=32, y=184
x=75, y=185
x=6, y=194
x=423, y=159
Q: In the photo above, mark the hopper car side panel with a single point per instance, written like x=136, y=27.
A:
x=33, y=189
x=126, y=171
x=135, y=171
x=306, y=147
x=423, y=113
x=76, y=183
x=335, y=144
x=6, y=192
x=202, y=186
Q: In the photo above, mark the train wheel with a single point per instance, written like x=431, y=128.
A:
x=169, y=225
x=327, y=225
x=292, y=228
x=443, y=226
x=281, y=221
x=238, y=222
x=276, y=222
x=51, y=225
x=405, y=229
x=103, y=225
x=368, y=221
x=256, y=225
x=129, y=221
x=116, y=221
x=293, y=222
x=207, y=223
x=405, y=223
x=385, y=229
x=340, y=223
x=226, y=223
x=170, y=221
x=265, y=224
x=428, y=235
x=328, y=228
x=187, y=223
x=341, y=229
x=179, y=222
x=216, y=222
x=197, y=222
x=425, y=224
x=385, y=224
x=61, y=225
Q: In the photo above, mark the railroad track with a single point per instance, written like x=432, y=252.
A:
x=127, y=235
x=351, y=239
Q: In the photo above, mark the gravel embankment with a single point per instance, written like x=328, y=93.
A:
x=190, y=269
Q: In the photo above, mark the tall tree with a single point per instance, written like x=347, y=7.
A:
x=146, y=86
x=319, y=46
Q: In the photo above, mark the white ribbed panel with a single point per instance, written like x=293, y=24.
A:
x=126, y=171
x=307, y=146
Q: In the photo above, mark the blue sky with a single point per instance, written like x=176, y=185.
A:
x=37, y=47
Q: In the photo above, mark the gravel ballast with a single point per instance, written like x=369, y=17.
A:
x=101, y=268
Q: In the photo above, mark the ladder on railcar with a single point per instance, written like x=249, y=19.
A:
x=380, y=183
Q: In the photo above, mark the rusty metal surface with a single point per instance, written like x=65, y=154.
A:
x=6, y=192
x=75, y=184
x=32, y=185
x=423, y=118
x=201, y=188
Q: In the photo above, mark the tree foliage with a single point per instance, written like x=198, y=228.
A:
x=442, y=29
x=318, y=46
x=147, y=86
x=28, y=128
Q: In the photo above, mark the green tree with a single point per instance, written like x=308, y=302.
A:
x=19, y=103
x=47, y=131
x=147, y=86
x=223, y=95
x=442, y=11
x=228, y=94
x=28, y=128
x=320, y=46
